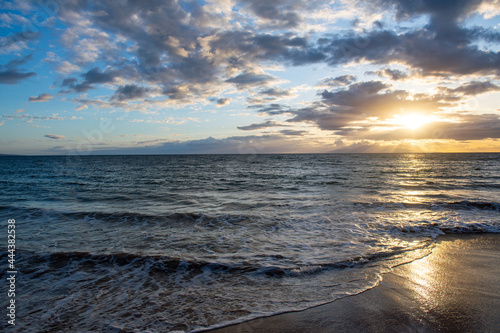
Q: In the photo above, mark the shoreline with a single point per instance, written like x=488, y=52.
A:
x=455, y=288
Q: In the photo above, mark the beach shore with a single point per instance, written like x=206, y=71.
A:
x=454, y=289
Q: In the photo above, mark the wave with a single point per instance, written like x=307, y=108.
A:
x=469, y=205
x=197, y=216
x=173, y=265
x=192, y=217
x=436, y=205
x=29, y=262
x=436, y=229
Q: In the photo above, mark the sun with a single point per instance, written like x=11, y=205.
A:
x=412, y=121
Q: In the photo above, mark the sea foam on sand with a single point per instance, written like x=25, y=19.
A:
x=454, y=289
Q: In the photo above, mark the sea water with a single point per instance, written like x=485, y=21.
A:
x=186, y=242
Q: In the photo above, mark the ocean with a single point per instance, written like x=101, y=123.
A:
x=188, y=242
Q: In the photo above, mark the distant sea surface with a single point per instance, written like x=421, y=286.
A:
x=166, y=243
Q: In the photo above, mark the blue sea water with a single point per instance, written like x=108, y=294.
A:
x=169, y=243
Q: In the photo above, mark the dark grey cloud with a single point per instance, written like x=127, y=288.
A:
x=223, y=101
x=471, y=127
x=254, y=127
x=164, y=37
x=289, y=49
x=130, y=92
x=10, y=73
x=90, y=78
x=277, y=13
x=474, y=88
x=30, y=118
x=18, y=37
x=168, y=48
x=442, y=47
x=420, y=50
x=271, y=109
x=96, y=76
x=54, y=136
x=41, y=98
x=174, y=92
x=186, y=93
x=338, y=109
x=465, y=126
x=194, y=69
x=324, y=118
x=269, y=95
x=245, y=47
x=393, y=74
x=69, y=82
x=447, y=10
x=275, y=92
x=13, y=76
x=178, y=47
x=293, y=132
x=220, y=101
x=354, y=95
x=245, y=80
x=171, y=50
x=252, y=144
x=338, y=81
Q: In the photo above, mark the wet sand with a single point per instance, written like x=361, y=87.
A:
x=454, y=289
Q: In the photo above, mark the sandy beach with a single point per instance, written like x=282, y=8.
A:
x=454, y=289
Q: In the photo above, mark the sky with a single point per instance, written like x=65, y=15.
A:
x=244, y=77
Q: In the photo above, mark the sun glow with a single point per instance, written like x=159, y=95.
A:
x=412, y=121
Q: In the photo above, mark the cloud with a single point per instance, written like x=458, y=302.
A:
x=17, y=41
x=81, y=107
x=171, y=45
x=176, y=49
x=29, y=118
x=246, y=80
x=443, y=47
x=473, y=88
x=11, y=74
x=250, y=145
x=339, y=110
x=275, y=92
x=254, y=127
x=446, y=11
x=393, y=74
x=152, y=55
x=91, y=77
x=41, y=98
x=461, y=127
x=130, y=92
x=337, y=81
x=54, y=136
x=223, y=101
x=269, y=95
x=66, y=67
x=293, y=132
x=276, y=14
x=272, y=109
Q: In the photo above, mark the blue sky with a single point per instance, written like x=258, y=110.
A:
x=240, y=76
